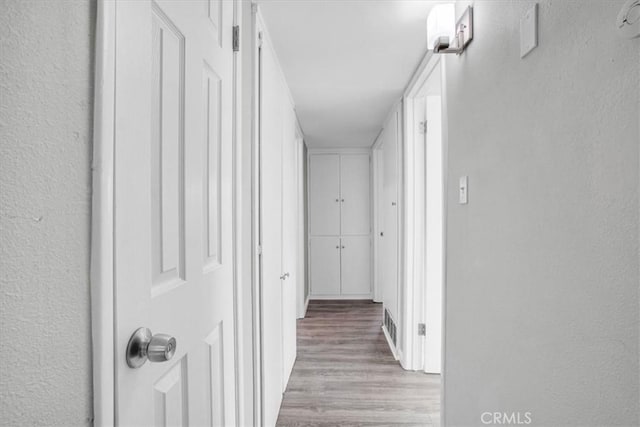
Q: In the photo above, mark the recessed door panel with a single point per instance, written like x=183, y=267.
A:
x=324, y=194
x=216, y=395
x=355, y=195
x=214, y=13
x=167, y=148
x=325, y=265
x=171, y=397
x=211, y=88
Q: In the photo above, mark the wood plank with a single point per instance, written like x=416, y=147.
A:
x=345, y=374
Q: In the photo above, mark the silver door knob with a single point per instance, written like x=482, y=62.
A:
x=145, y=346
x=284, y=276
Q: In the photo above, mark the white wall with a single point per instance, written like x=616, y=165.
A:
x=46, y=109
x=542, y=292
x=390, y=212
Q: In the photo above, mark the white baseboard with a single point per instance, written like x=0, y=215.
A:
x=306, y=307
x=391, y=346
x=340, y=297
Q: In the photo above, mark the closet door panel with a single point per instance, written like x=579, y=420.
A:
x=324, y=194
x=355, y=194
x=271, y=128
x=356, y=265
x=325, y=265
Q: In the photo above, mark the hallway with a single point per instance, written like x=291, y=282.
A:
x=201, y=200
x=345, y=373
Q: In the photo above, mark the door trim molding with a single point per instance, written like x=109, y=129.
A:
x=236, y=225
x=302, y=301
x=102, y=219
x=414, y=298
x=414, y=170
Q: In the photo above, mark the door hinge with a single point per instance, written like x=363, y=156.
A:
x=259, y=250
x=422, y=127
x=422, y=329
x=236, y=38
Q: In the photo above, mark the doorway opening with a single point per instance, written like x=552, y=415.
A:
x=366, y=258
x=370, y=339
x=424, y=226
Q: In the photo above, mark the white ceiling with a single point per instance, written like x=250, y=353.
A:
x=346, y=62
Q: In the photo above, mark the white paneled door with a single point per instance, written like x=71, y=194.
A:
x=173, y=210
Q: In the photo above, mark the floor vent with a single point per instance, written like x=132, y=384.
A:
x=390, y=325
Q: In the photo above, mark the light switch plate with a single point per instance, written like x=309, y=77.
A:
x=529, y=30
x=464, y=190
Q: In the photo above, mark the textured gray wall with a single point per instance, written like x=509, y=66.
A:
x=46, y=110
x=543, y=275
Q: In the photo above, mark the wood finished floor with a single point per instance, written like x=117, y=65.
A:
x=345, y=374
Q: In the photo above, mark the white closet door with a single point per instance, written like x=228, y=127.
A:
x=290, y=251
x=271, y=226
x=325, y=265
x=390, y=212
x=356, y=265
x=355, y=194
x=324, y=194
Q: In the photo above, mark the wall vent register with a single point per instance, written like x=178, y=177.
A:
x=390, y=326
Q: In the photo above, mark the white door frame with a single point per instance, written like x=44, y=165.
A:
x=302, y=301
x=414, y=169
x=102, y=219
x=247, y=196
x=102, y=222
x=252, y=114
x=376, y=216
